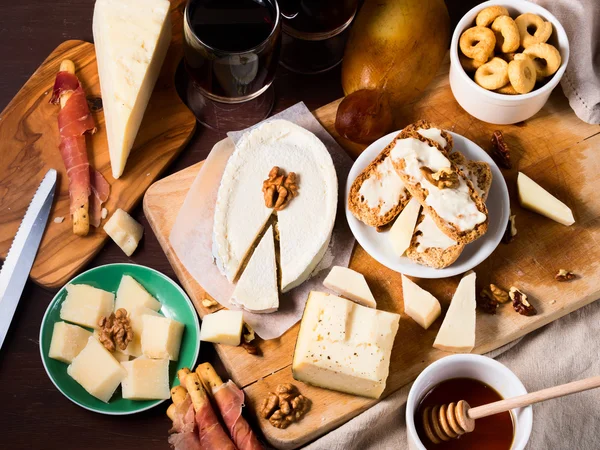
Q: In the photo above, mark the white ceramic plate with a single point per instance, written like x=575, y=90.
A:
x=378, y=244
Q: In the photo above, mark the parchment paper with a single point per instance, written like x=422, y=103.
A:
x=191, y=236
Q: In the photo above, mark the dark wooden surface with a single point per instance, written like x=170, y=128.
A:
x=33, y=413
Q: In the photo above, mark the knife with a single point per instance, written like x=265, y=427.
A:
x=21, y=255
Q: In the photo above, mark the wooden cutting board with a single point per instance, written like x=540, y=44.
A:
x=554, y=148
x=29, y=136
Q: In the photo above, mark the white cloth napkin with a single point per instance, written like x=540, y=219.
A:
x=581, y=81
x=565, y=350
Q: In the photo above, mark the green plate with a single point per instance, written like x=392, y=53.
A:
x=175, y=305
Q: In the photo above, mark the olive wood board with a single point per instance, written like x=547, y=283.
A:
x=29, y=136
x=554, y=148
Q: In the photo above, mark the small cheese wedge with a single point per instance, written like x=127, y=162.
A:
x=147, y=379
x=137, y=325
x=131, y=39
x=402, y=230
x=96, y=370
x=457, y=333
x=222, y=327
x=534, y=197
x=256, y=290
x=419, y=304
x=350, y=284
x=86, y=305
x=132, y=295
x=344, y=346
x=161, y=337
x=124, y=230
x=67, y=341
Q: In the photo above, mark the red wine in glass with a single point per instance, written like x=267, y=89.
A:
x=231, y=47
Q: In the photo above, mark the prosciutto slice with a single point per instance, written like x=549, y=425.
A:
x=74, y=120
x=185, y=436
x=230, y=400
x=212, y=435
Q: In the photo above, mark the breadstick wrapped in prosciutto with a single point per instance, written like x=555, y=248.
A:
x=74, y=121
x=230, y=400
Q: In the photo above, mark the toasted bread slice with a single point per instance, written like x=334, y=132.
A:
x=375, y=196
x=428, y=130
x=473, y=212
x=444, y=251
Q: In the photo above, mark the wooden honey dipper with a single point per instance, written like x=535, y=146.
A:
x=445, y=422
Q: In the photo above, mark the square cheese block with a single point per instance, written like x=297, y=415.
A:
x=350, y=284
x=131, y=38
x=534, y=197
x=96, y=370
x=344, y=346
x=124, y=230
x=147, y=379
x=457, y=333
x=67, y=341
x=132, y=294
x=256, y=290
x=161, y=337
x=402, y=230
x=137, y=325
x=85, y=305
x=419, y=304
x=222, y=327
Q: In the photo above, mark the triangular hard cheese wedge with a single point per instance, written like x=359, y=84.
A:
x=256, y=290
x=131, y=39
x=419, y=304
x=350, y=284
x=457, y=333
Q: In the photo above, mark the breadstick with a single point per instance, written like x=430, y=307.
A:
x=178, y=394
x=209, y=378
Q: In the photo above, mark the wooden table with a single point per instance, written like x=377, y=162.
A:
x=33, y=413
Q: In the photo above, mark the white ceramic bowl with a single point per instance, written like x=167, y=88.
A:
x=378, y=244
x=480, y=368
x=497, y=108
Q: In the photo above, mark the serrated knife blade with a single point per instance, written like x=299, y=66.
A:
x=20, y=257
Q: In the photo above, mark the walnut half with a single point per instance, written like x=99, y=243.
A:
x=115, y=331
x=565, y=275
x=445, y=178
x=279, y=189
x=284, y=406
x=520, y=302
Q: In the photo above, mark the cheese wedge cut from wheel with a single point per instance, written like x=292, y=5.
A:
x=402, y=231
x=534, y=197
x=419, y=304
x=304, y=225
x=350, y=284
x=131, y=38
x=457, y=333
x=256, y=290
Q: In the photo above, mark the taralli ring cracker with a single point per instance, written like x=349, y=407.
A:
x=507, y=34
x=478, y=43
x=548, y=56
x=507, y=90
x=492, y=75
x=508, y=57
x=470, y=65
x=488, y=15
x=527, y=22
x=522, y=73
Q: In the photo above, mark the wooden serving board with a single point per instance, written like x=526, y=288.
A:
x=555, y=148
x=29, y=136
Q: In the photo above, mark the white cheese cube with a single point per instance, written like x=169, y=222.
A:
x=534, y=197
x=161, y=337
x=124, y=230
x=137, y=325
x=344, y=346
x=67, y=341
x=402, y=230
x=85, y=305
x=96, y=370
x=147, y=379
x=350, y=284
x=222, y=327
x=419, y=304
x=457, y=333
x=132, y=294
